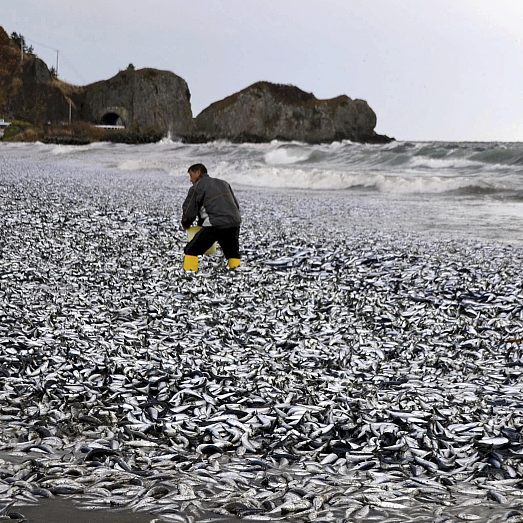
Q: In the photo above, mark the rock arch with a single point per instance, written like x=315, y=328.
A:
x=112, y=118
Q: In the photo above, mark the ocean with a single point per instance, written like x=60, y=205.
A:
x=450, y=188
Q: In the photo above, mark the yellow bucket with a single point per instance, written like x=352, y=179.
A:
x=191, y=231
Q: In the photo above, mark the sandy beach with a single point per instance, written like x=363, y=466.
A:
x=355, y=366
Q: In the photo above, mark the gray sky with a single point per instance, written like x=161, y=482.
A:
x=430, y=69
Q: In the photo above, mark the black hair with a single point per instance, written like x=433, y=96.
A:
x=198, y=167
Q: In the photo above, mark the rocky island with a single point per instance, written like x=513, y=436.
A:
x=143, y=105
x=266, y=111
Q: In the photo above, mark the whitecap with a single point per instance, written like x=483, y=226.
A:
x=285, y=156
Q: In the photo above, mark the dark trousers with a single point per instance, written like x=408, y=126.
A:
x=228, y=239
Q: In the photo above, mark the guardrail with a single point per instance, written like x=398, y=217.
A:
x=110, y=126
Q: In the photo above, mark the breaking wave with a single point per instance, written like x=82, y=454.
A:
x=461, y=169
x=142, y=165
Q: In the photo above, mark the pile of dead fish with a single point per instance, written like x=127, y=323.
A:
x=341, y=373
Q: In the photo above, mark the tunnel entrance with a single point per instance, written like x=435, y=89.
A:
x=112, y=119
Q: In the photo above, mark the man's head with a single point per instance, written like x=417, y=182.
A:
x=196, y=170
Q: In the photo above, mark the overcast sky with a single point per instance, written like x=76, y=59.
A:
x=430, y=69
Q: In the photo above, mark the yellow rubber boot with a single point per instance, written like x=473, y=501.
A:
x=190, y=263
x=233, y=263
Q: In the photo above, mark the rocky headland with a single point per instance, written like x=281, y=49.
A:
x=137, y=106
x=145, y=100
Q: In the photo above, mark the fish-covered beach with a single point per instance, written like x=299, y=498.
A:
x=363, y=364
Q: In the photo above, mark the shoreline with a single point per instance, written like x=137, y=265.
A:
x=133, y=138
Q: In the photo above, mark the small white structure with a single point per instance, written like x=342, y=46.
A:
x=3, y=125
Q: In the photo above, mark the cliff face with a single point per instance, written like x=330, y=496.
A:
x=265, y=111
x=27, y=91
x=142, y=100
x=9, y=64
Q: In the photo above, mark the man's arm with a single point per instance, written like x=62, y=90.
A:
x=234, y=198
x=189, y=208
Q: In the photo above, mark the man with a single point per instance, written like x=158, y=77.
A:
x=212, y=202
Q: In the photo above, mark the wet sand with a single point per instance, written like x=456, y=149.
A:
x=62, y=510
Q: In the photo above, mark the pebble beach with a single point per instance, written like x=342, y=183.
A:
x=354, y=368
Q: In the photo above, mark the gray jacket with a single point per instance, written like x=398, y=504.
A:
x=211, y=201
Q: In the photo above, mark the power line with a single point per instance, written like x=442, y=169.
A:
x=74, y=69
x=39, y=43
x=62, y=55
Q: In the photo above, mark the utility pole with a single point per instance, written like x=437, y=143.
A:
x=57, y=62
x=22, y=49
